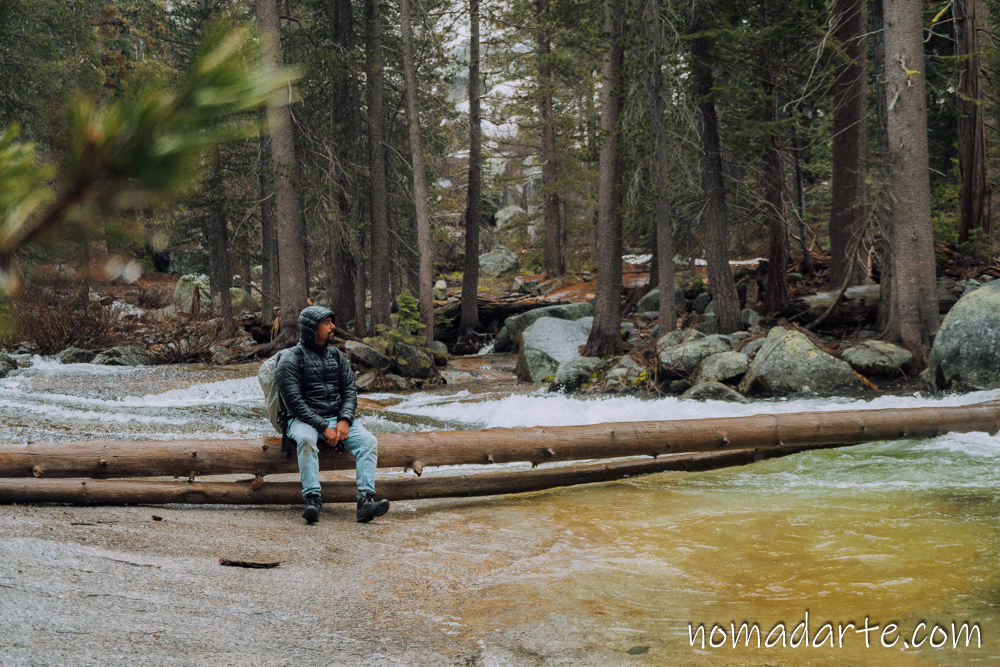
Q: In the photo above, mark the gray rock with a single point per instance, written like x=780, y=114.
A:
x=412, y=362
x=367, y=357
x=374, y=382
x=546, y=344
x=865, y=334
x=794, y=278
x=651, y=301
x=681, y=360
x=737, y=336
x=572, y=373
x=184, y=292
x=723, y=367
x=220, y=354
x=506, y=214
x=713, y=391
x=789, y=363
x=624, y=374
x=498, y=262
x=701, y=302
x=966, y=348
x=970, y=286
x=751, y=318
x=525, y=286
x=75, y=355
x=441, y=290
x=7, y=364
x=440, y=347
x=948, y=293
x=879, y=359
x=677, y=337
x=753, y=346
x=125, y=356
x=239, y=298
x=707, y=326
x=502, y=341
x=860, y=303
x=631, y=334
x=516, y=324
x=679, y=386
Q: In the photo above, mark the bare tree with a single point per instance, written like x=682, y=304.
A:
x=974, y=179
x=908, y=306
x=773, y=177
x=293, y=287
x=217, y=234
x=426, y=278
x=380, y=269
x=553, y=231
x=849, y=205
x=662, y=220
x=470, y=280
x=723, y=288
x=605, y=334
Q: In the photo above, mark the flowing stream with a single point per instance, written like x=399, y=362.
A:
x=902, y=532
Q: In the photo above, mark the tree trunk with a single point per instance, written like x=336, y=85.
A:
x=974, y=195
x=720, y=277
x=379, y=278
x=553, y=233
x=605, y=334
x=773, y=172
x=539, y=444
x=470, y=279
x=269, y=242
x=340, y=273
x=290, y=231
x=393, y=487
x=663, y=232
x=849, y=204
x=911, y=302
x=425, y=277
x=220, y=272
x=800, y=200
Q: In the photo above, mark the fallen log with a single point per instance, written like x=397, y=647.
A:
x=393, y=487
x=540, y=444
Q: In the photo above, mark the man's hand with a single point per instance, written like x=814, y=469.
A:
x=335, y=435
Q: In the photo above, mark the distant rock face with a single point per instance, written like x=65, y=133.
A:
x=788, y=363
x=75, y=355
x=498, y=262
x=966, y=350
x=184, y=292
x=713, y=391
x=366, y=357
x=516, y=324
x=723, y=367
x=651, y=301
x=681, y=360
x=877, y=358
x=125, y=356
x=572, y=373
x=7, y=364
x=546, y=345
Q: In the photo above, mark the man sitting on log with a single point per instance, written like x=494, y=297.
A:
x=317, y=386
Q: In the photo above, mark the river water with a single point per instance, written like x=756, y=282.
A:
x=902, y=533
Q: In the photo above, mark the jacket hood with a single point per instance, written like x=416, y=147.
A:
x=309, y=319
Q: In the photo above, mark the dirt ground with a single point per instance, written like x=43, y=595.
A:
x=434, y=582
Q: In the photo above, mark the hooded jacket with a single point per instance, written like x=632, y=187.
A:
x=316, y=382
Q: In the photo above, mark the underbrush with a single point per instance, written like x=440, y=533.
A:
x=53, y=321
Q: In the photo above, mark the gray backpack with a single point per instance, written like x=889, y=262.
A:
x=266, y=375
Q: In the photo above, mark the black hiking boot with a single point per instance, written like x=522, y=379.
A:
x=369, y=508
x=313, y=506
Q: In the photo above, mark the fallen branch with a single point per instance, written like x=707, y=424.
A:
x=249, y=563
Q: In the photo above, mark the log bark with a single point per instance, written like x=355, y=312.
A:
x=540, y=444
x=395, y=487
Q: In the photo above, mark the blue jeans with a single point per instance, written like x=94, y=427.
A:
x=358, y=442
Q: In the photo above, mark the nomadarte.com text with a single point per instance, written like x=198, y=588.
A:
x=749, y=635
